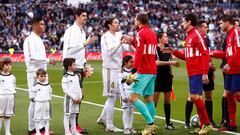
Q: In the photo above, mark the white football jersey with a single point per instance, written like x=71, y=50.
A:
x=112, y=50
x=71, y=86
x=124, y=87
x=42, y=92
x=74, y=37
x=34, y=53
x=7, y=84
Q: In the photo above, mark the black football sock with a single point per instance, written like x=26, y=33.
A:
x=209, y=109
x=167, y=110
x=188, y=111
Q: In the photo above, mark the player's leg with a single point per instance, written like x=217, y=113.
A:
x=66, y=120
x=131, y=117
x=188, y=111
x=167, y=110
x=2, y=109
x=125, y=118
x=225, y=118
x=106, y=77
x=196, y=86
x=1, y=121
x=155, y=98
x=46, y=127
x=31, y=80
x=66, y=117
x=110, y=111
x=233, y=86
x=38, y=125
x=73, y=123
x=79, y=72
x=148, y=95
x=10, y=108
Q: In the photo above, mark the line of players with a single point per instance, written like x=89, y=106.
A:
x=196, y=56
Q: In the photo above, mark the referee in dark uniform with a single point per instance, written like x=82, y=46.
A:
x=164, y=79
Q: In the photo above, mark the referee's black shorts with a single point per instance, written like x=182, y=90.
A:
x=210, y=85
x=163, y=83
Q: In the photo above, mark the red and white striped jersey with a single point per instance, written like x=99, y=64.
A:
x=195, y=53
x=232, y=51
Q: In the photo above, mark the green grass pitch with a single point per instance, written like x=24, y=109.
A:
x=93, y=94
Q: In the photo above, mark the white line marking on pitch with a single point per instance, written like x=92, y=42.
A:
x=119, y=109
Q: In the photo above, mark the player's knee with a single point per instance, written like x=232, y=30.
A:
x=208, y=96
x=148, y=99
x=194, y=97
x=133, y=98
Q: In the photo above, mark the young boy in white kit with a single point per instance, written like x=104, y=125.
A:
x=42, y=93
x=7, y=94
x=125, y=86
x=73, y=95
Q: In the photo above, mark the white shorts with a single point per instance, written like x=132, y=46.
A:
x=110, y=82
x=7, y=105
x=69, y=106
x=42, y=111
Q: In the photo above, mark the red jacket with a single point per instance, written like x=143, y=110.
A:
x=232, y=53
x=145, y=43
x=195, y=53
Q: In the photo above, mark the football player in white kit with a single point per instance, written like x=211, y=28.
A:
x=74, y=47
x=112, y=50
x=42, y=97
x=73, y=95
x=35, y=58
x=7, y=94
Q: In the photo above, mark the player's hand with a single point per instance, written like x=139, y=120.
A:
x=126, y=39
x=226, y=68
x=175, y=63
x=211, y=66
x=32, y=99
x=167, y=50
x=76, y=101
x=125, y=99
x=90, y=40
x=52, y=61
x=129, y=81
x=205, y=79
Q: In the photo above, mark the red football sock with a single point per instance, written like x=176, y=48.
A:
x=232, y=109
x=202, y=113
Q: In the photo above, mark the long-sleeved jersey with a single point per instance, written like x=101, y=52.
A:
x=112, y=50
x=74, y=37
x=195, y=53
x=42, y=92
x=34, y=53
x=145, y=43
x=7, y=84
x=71, y=86
x=232, y=53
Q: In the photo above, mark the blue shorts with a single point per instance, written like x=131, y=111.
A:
x=195, y=84
x=145, y=86
x=232, y=83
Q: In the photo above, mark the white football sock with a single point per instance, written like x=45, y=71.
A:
x=103, y=115
x=131, y=116
x=73, y=123
x=110, y=111
x=125, y=118
x=46, y=126
x=66, y=120
x=1, y=121
x=38, y=127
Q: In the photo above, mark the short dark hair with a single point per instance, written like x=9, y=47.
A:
x=79, y=11
x=5, y=60
x=126, y=59
x=68, y=62
x=200, y=22
x=228, y=18
x=36, y=19
x=142, y=18
x=41, y=72
x=109, y=21
x=191, y=17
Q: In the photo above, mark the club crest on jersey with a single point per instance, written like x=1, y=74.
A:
x=2, y=81
x=112, y=85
